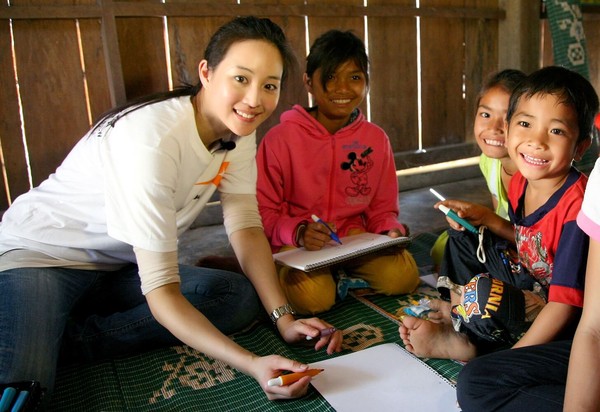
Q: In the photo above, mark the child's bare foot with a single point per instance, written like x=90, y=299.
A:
x=435, y=340
x=440, y=311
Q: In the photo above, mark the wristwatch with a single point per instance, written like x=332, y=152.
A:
x=280, y=311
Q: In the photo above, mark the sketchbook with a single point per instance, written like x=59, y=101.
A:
x=332, y=253
x=383, y=378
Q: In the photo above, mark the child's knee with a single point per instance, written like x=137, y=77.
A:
x=308, y=293
x=396, y=275
x=437, y=250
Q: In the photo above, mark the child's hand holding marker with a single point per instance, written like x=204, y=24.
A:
x=317, y=234
x=332, y=233
x=452, y=214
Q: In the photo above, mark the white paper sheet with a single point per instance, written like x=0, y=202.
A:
x=383, y=378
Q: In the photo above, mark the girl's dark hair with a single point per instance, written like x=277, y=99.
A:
x=507, y=79
x=570, y=87
x=334, y=48
x=238, y=29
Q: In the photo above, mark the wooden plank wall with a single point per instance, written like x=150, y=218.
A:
x=74, y=59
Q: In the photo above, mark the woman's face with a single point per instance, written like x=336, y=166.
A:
x=242, y=91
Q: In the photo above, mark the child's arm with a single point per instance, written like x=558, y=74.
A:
x=547, y=326
x=479, y=215
x=583, y=381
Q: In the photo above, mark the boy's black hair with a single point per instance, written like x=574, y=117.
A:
x=507, y=79
x=570, y=87
x=333, y=48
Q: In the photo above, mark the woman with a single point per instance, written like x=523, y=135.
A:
x=71, y=249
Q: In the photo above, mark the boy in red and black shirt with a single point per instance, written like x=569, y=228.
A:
x=526, y=287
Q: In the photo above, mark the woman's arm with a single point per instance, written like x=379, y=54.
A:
x=254, y=254
x=583, y=381
x=159, y=272
x=252, y=249
x=174, y=312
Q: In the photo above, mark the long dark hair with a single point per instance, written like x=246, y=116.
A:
x=238, y=29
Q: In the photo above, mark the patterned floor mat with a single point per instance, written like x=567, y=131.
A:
x=182, y=379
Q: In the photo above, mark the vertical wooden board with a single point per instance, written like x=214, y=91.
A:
x=293, y=91
x=592, y=37
x=547, y=51
x=95, y=67
x=188, y=38
x=481, y=58
x=393, y=90
x=10, y=125
x=442, y=68
x=318, y=25
x=52, y=92
x=143, y=56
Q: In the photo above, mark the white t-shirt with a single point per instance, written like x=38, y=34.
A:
x=140, y=183
x=589, y=215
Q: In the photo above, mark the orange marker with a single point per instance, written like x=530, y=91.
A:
x=290, y=378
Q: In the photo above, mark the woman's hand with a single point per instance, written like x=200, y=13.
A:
x=268, y=367
x=296, y=330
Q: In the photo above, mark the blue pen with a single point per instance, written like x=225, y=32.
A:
x=332, y=234
x=7, y=398
x=20, y=402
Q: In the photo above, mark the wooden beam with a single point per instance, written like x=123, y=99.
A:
x=112, y=55
x=33, y=12
x=519, y=35
x=125, y=9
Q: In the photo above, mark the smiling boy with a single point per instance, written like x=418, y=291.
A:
x=537, y=295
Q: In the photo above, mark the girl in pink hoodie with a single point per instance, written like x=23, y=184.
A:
x=328, y=160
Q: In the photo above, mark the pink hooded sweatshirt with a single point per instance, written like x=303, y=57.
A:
x=347, y=178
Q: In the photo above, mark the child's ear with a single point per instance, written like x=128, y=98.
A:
x=307, y=83
x=581, y=148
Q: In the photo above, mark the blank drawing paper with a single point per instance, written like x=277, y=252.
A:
x=383, y=378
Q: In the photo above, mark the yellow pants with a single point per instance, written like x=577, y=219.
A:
x=437, y=250
x=315, y=292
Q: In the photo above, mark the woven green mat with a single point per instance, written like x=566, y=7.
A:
x=182, y=379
